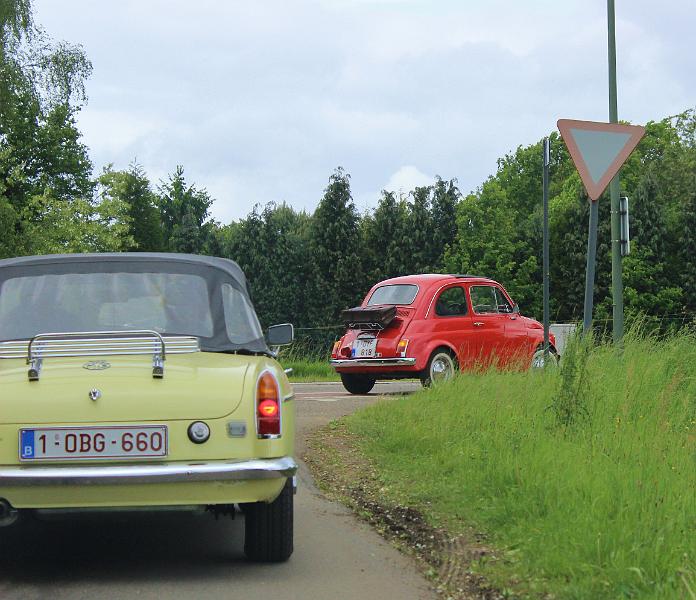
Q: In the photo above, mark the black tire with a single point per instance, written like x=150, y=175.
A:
x=357, y=384
x=443, y=356
x=268, y=528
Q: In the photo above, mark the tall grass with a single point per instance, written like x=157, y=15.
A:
x=309, y=359
x=584, y=477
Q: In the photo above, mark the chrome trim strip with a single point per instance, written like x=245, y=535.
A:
x=373, y=362
x=265, y=468
x=289, y=397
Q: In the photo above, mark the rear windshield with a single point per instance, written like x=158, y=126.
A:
x=166, y=302
x=394, y=294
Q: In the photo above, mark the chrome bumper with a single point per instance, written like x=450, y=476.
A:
x=264, y=468
x=373, y=362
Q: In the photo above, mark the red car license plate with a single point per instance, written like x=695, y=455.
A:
x=364, y=347
x=61, y=443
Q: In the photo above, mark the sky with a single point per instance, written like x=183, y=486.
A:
x=260, y=100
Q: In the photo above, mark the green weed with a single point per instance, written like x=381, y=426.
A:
x=584, y=478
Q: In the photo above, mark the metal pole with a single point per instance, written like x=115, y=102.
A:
x=547, y=160
x=614, y=190
x=591, y=262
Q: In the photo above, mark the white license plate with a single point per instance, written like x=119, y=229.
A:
x=364, y=348
x=60, y=443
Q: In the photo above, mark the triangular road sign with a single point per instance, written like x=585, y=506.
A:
x=598, y=150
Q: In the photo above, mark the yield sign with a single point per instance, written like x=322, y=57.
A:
x=598, y=150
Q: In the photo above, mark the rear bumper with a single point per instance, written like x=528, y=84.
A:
x=362, y=363
x=96, y=475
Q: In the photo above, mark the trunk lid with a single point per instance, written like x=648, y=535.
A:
x=199, y=385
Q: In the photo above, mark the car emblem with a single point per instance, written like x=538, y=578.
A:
x=94, y=394
x=96, y=365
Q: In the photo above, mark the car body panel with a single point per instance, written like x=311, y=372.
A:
x=127, y=386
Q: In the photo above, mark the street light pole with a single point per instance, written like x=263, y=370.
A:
x=614, y=189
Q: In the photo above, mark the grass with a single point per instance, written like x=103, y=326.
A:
x=309, y=360
x=584, y=479
x=306, y=370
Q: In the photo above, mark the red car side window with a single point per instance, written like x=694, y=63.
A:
x=483, y=299
x=503, y=305
x=452, y=303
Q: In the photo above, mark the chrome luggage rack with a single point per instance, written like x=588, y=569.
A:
x=98, y=343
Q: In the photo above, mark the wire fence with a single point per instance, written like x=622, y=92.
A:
x=315, y=343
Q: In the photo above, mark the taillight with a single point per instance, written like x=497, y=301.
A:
x=402, y=347
x=334, y=350
x=267, y=406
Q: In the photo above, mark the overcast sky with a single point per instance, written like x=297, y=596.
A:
x=260, y=100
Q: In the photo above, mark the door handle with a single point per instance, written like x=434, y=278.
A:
x=478, y=323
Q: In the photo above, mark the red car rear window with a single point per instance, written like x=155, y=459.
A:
x=403, y=294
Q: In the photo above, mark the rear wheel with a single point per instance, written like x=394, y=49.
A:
x=268, y=528
x=357, y=384
x=442, y=366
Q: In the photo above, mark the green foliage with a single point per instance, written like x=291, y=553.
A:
x=686, y=253
x=59, y=226
x=601, y=509
x=184, y=211
x=335, y=249
x=386, y=239
x=272, y=247
x=132, y=188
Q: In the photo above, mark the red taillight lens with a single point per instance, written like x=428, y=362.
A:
x=402, y=347
x=267, y=406
x=334, y=350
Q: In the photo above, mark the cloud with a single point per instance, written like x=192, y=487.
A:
x=260, y=101
x=406, y=179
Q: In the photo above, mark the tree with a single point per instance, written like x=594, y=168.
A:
x=687, y=248
x=132, y=187
x=445, y=197
x=334, y=244
x=59, y=226
x=184, y=211
x=421, y=245
x=385, y=239
x=41, y=153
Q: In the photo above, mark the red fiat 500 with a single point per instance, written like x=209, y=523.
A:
x=428, y=326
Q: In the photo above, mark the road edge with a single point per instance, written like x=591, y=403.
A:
x=344, y=474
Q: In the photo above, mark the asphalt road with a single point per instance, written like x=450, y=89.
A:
x=191, y=555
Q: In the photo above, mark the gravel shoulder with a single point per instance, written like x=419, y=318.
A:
x=345, y=475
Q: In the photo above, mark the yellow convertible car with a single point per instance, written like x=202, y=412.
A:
x=143, y=380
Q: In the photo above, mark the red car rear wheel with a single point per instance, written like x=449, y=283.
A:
x=357, y=383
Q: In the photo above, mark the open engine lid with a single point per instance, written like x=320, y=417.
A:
x=369, y=317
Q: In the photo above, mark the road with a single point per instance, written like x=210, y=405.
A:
x=190, y=555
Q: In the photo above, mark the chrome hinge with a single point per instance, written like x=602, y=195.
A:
x=35, y=369
x=157, y=366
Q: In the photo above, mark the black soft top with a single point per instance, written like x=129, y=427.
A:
x=216, y=272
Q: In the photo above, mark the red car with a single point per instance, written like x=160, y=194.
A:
x=429, y=326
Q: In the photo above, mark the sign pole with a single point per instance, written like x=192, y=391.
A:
x=591, y=262
x=547, y=161
x=614, y=190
